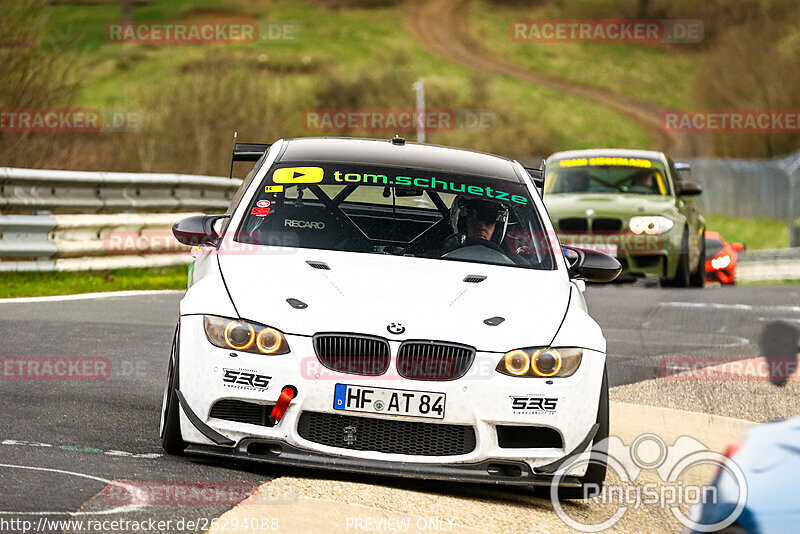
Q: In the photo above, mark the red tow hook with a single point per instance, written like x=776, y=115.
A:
x=287, y=394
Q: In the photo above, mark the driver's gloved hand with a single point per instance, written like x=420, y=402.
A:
x=452, y=242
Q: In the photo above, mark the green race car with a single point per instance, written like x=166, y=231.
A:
x=632, y=204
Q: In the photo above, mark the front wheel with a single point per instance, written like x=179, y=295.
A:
x=170, y=431
x=698, y=278
x=682, y=274
x=596, y=471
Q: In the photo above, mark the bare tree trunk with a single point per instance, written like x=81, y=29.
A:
x=127, y=10
x=644, y=9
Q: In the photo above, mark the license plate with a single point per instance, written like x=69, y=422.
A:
x=389, y=401
x=611, y=250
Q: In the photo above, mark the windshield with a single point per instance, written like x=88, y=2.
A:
x=606, y=175
x=401, y=211
x=713, y=247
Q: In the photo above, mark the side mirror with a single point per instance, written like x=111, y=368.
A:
x=738, y=247
x=197, y=230
x=593, y=266
x=689, y=189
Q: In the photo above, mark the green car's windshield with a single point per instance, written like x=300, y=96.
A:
x=606, y=175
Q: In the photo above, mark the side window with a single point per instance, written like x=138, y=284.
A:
x=242, y=190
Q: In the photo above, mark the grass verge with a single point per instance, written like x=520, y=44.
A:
x=71, y=283
x=756, y=234
x=188, y=99
x=648, y=72
x=784, y=282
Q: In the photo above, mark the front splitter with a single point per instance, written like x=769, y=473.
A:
x=486, y=472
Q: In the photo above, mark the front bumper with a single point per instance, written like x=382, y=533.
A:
x=640, y=255
x=723, y=276
x=481, y=400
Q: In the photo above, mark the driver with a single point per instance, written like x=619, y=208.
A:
x=476, y=219
x=646, y=180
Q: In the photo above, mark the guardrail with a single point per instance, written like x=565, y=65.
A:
x=102, y=220
x=776, y=254
x=89, y=242
x=75, y=220
x=31, y=190
x=769, y=265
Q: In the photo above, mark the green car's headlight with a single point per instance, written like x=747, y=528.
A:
x=243, y=336
x=650, y=224
x=544, y=362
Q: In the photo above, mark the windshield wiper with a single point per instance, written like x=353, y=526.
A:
x=608, y=184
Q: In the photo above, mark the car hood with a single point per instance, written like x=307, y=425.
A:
x=609, y=204
x=364, y=293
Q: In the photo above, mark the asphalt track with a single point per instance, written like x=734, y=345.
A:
x=61, y=441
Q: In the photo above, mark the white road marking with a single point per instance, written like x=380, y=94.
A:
x=148, y=455
x=734, y=307
x=736, y=341
x=787, y=319
x=115, y=510
x=90, y=296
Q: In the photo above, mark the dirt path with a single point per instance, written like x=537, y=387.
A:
x=441, y=27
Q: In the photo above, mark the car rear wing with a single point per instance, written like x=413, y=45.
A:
x=248, y=151
x=681, y=166
x=537, y=175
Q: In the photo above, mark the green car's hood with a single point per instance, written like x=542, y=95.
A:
x=622, y=205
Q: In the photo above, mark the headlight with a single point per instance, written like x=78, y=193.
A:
x=721, y=262
x=544, y=362
x=244, y=336
x=650, y=225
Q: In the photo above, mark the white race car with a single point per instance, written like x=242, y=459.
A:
x=391, y=308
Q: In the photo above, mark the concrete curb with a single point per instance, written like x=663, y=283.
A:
x=628, y=421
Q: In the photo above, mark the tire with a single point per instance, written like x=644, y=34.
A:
x=682, y=274
x=170, y=431
x=596, y=472
x=698, y=278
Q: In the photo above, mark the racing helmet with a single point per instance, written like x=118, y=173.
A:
x=481, y=209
